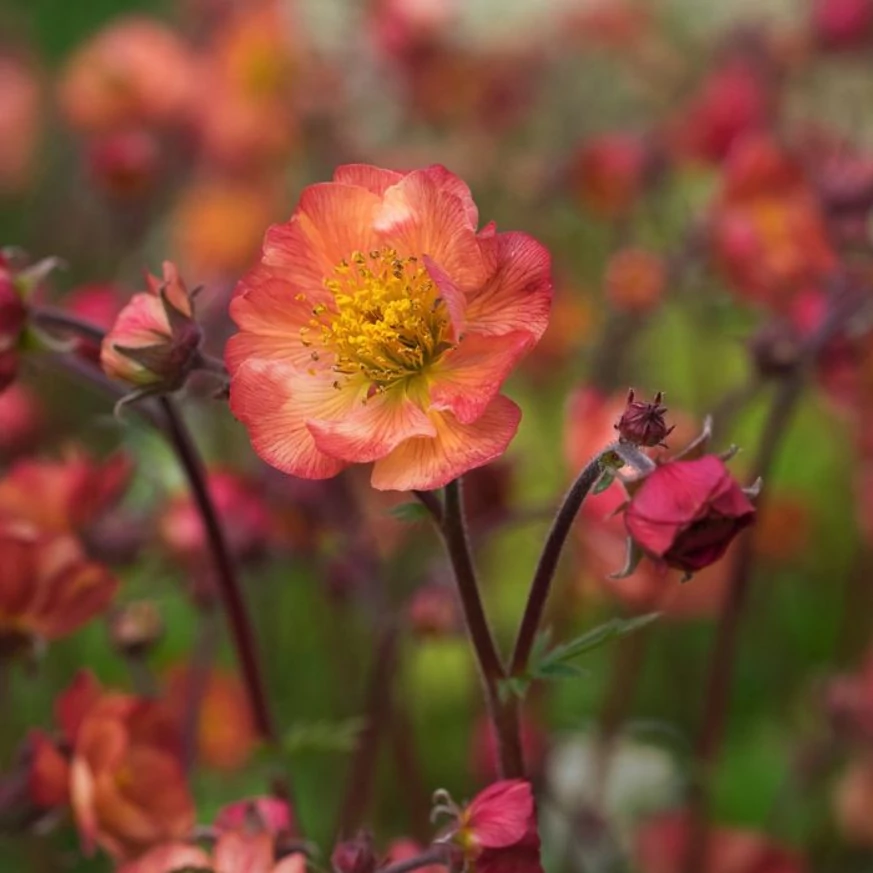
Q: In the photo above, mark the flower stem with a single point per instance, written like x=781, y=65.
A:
x=548, y=563
x=380, y=690
x=436, y=854
x=503, y=714
x=228, y=584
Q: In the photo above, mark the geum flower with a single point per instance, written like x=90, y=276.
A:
x=48, y=589
x=154, y=342
x=249, y=839
x=497, y=831
x=380, y=326
x=117, y=763
x=686, y=513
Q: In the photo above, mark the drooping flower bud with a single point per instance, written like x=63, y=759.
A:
x=642, y=423
x=154, y=341
x=686, y=513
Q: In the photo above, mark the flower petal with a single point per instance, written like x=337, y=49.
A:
x=518, y=295
x=430, y=462
x=331, y=222
x=367, y=176
x=467, y=379
x=270, y=317
x=423, y=215
x=275, y=402
x=372, y=430
x=502, y=814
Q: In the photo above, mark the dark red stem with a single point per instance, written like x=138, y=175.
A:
x=548, y=563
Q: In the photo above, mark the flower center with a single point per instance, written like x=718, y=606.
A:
x=387, y=321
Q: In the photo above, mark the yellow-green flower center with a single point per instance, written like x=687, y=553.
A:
x=387, y=321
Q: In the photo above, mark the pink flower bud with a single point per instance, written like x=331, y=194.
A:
x=642, y=423
x=686, y=513
x=154, y=340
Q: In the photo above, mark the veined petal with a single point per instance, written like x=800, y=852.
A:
x=331, y=222
x=374, y=179
x=239, y=852
x=502, y=815
x=468, y=378
x=451, y=295
x=421, y=216
x=518, y=295
x=275, y=402
x=270, y=317
x=372, y=430
x=430, y=462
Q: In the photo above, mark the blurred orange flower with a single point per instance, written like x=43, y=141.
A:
x=217, y=224
x=380, y=326
x=125, y=782
x=20, y=124
x=226, y=735
x=635, y=280
x=48, y=588
x=57, y=496
x=134, y=71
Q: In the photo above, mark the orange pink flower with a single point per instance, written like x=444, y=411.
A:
x=134, y=71
x=122, y=774
x=379, y=327
x=48, y=588
x=21, y=117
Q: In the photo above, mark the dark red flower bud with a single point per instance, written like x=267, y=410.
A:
x=643, y=423
x=355, y=855
x=686, y=513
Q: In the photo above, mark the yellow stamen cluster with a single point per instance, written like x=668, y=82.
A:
x=388, y=321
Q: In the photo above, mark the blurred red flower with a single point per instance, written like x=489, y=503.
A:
x=609, y=172
x=13, y=318
x=21, y=119
x=842, y=24
x=380, y=326
x=239, y=504
x=686, y=513
x=662, y=842
x=768, y=234
x=21, y=420
x=48, y=588
x=63, y=495
x=122, y=771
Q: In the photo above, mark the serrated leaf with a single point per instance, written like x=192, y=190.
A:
x=323, y=736
x=558, y=670
x=606, y=479
x=616, y=627
x=409, y=513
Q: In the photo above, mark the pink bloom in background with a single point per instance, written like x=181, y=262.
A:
x=686, y=513
x=21, y=420
x=842, y=24
x=662, y=842
x=13, y=318
x=380, y=326
x=21, y=121
x=497, y=830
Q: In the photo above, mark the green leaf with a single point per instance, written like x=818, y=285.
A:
x=513, y=686
x=558, y=670
x=616, y=627
x=606, y=479
x=409, y=513
x=323, y=736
